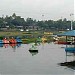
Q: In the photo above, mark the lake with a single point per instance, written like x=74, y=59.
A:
x=19, y=61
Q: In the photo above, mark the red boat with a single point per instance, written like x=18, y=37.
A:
x=12, y=41
x=63, y=42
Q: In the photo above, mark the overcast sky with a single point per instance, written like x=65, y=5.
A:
x=38, y=9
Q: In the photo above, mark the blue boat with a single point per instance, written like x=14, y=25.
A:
x=1, y=41
x=70, y=50
x=18, y=40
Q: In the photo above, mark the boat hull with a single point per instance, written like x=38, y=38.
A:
x=33, y=50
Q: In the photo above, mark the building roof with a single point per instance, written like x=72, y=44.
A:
x=68, y=33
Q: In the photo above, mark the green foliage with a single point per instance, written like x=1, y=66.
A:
x=1, y=37
x=14, y=21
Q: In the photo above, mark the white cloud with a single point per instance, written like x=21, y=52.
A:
x=52, y=9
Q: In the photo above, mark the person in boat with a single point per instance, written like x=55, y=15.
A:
x=5, y=41
x=33, y=47
x=12, y=40
x=18, y=40
x=44, y=39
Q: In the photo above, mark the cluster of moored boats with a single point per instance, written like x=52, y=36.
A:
x=11, y=41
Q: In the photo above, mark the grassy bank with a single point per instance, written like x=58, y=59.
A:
x=26, y=37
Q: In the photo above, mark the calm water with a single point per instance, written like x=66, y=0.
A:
x=19, y=61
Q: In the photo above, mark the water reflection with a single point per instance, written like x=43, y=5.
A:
x=12, y=45
x=24, y=61
x=5, y=45
x=71, y=63
x=1, y=45
x=18, y=45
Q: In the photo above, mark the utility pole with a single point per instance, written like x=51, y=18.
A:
x=42, y=17
x=71, y=22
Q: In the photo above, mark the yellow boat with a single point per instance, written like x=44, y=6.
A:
x=44, y=39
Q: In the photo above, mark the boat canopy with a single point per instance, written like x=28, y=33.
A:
x=68, y=33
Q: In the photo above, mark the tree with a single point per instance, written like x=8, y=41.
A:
x=14, y=16
x=29, y=21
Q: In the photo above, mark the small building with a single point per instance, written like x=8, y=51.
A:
x=31, y=27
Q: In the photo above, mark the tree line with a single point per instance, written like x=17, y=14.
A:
x=15, y=21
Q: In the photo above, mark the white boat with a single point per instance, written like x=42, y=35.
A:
x=33, y=48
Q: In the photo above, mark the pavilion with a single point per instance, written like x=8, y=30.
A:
x=71, y=34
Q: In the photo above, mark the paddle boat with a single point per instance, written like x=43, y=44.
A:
x=43, y=39
x=30, y=50
x=63, y=42
x=39, y=39
x=33, y=52
x=18, y=40
x=5, y=41
x=33, y=48
x=1, y=41
x=12, y=41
